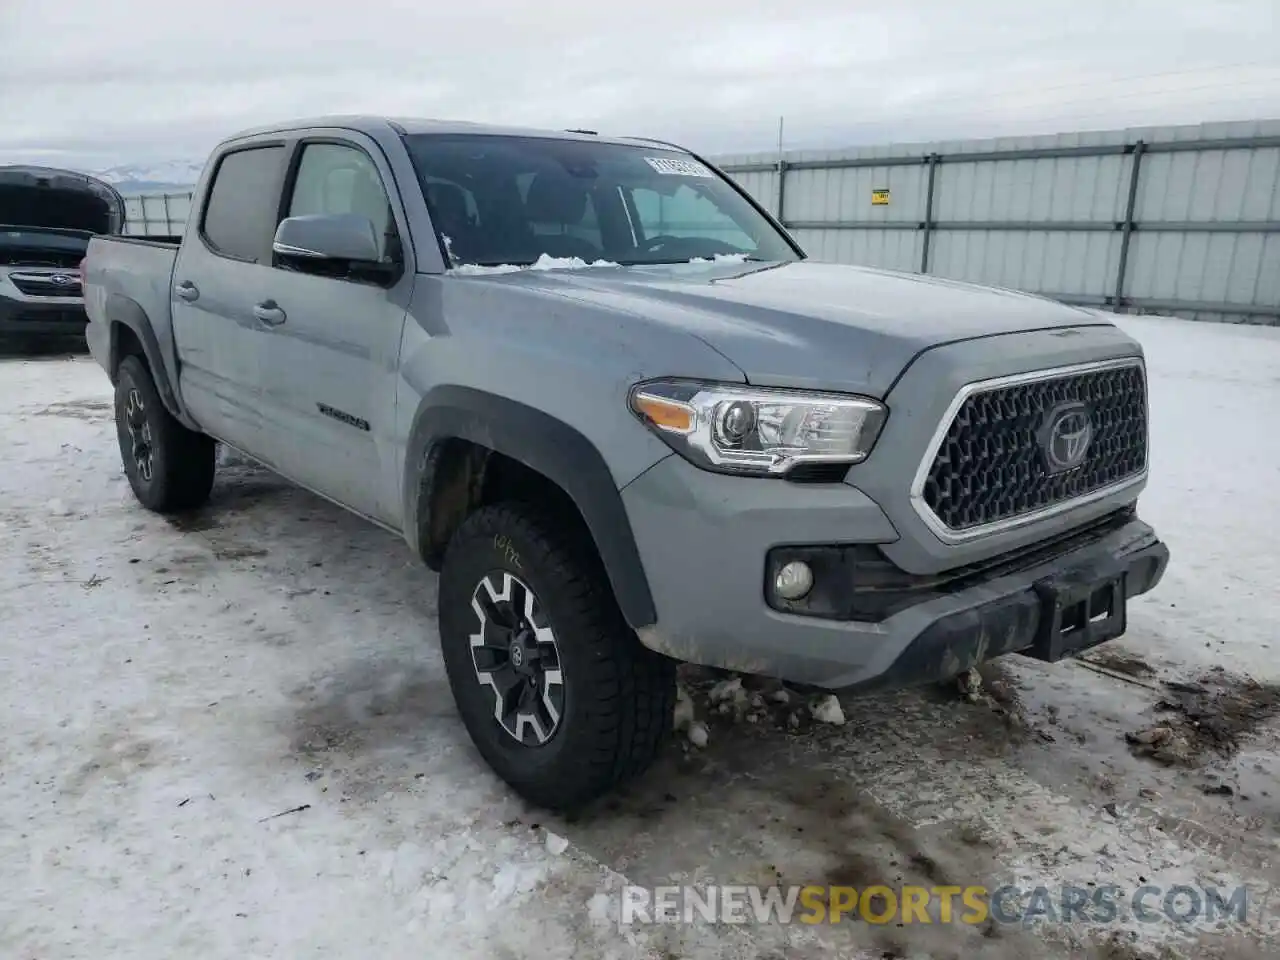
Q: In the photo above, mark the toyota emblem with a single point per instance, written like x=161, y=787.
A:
x=1065, y=437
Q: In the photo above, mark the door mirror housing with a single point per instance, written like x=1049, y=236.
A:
x=333, y=244
x=327, y=236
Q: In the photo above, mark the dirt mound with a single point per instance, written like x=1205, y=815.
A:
x=1206, y=718
x=711, y=699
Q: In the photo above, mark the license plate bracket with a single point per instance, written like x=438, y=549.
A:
x=1076, y=614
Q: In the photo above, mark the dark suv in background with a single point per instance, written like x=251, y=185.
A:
x=46, y=219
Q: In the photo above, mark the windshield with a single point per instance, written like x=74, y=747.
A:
x=509, y=200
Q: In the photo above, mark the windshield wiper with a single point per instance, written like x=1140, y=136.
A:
x=682, y=260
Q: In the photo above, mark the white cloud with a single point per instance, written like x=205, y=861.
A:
x=91, y=84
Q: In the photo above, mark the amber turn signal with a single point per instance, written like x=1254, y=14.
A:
x=663, y=413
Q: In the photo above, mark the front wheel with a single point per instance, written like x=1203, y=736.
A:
x=559, y=696
x=170, y=468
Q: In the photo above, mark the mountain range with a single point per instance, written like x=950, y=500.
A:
x=172, y=176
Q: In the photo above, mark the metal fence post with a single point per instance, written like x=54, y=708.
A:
x=168, y=220
x=1127, y=226
x=782, y=188
x=932, y=160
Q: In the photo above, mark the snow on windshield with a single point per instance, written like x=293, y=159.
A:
x=548, y=262
x=544, y=262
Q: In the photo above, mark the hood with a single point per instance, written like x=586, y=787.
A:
x=42, y=197
x=806, y=323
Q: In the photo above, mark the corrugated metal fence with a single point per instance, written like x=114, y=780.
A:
x=156, y=214
x=1181, y=220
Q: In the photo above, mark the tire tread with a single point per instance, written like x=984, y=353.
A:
x=184, y=470
x=628, y=694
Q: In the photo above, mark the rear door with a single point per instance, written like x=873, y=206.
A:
x=220, y=276
x=329, y=382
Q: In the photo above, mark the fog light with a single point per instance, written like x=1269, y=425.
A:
x=793, y=581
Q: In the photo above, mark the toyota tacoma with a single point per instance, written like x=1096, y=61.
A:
x=604, y=393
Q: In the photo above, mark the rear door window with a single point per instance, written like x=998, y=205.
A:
x=240, y=214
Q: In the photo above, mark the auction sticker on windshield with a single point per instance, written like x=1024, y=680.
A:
x=678, y=168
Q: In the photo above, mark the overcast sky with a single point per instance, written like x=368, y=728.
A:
x=91, y=84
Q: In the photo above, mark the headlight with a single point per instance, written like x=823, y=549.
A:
x=758, y=430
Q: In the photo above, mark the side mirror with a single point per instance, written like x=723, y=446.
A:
x=317, y=239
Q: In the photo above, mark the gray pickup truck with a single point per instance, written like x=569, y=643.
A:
x=601, y=391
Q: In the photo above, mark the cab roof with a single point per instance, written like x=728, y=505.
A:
x=401, y=126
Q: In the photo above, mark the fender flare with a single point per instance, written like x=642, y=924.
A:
x=129, y=313
x=543, y=444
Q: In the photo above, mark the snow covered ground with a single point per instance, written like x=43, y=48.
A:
x=231, y=736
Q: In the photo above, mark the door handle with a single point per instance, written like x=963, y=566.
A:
x=188, y=291
x=269, y=312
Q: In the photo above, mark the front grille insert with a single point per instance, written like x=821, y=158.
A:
x=39, y=285
x=1018, y=447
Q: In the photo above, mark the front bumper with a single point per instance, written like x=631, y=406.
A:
x=60, y=318
x=705, y=556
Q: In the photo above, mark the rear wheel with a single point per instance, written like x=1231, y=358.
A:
x=170, y=468
x=559, y=696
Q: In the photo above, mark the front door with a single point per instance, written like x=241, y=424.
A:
x=331, y=357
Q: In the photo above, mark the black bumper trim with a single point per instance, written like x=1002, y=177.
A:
x=857, y=582
x=1009, y=624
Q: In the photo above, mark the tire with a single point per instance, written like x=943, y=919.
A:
x=608, y=715
x=169, y=467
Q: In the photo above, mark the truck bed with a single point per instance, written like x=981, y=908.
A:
x=131, y=274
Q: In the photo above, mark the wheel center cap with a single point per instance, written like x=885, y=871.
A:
x=515, y=658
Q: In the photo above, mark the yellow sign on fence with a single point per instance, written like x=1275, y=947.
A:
x=880, y=198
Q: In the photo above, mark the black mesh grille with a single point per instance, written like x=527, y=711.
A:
x=992, y=464
x=62, y=315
